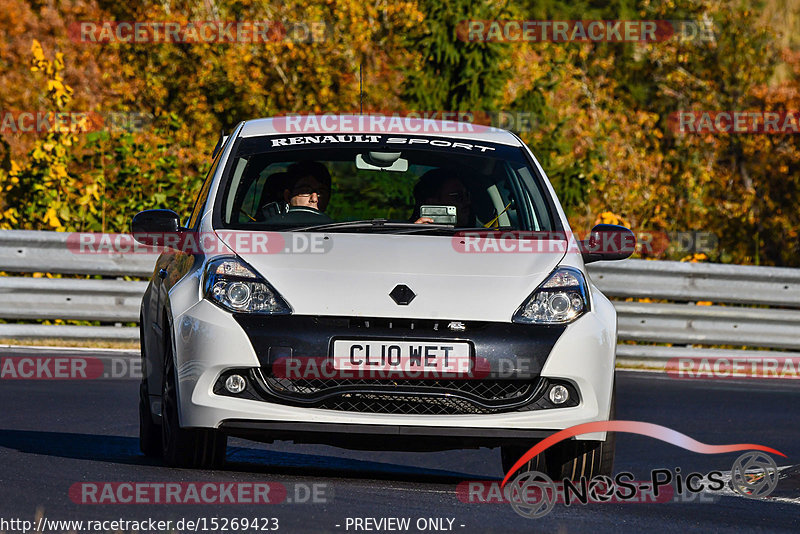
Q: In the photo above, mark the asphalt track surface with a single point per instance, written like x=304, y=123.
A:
x=54, y=434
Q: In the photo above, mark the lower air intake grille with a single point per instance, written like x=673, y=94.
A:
x=482, y=390
x=415, y=397
x=403, y=404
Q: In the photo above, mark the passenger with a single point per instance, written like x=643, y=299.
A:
x=440, y=187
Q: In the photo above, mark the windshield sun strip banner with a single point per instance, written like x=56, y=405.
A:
x=271, y=143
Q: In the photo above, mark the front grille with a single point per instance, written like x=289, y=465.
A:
x=403, y=324
x=394, y=324
x=425, y=397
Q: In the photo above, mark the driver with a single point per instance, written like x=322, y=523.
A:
x=307, y=191
x=308, y=185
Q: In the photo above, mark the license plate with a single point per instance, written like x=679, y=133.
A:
x=404, y=356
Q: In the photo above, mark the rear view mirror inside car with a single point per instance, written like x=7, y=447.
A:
x=381, y=161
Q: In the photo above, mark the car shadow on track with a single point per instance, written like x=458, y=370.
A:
x=265, y=461
x=125, y=450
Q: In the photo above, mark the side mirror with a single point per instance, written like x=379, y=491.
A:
x=154, y=227
x=608, y=242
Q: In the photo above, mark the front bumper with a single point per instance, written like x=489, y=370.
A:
x=210, y=341
x=380, y=437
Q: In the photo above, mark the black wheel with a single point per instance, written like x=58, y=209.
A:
x=200, y=448
x=510, y=454
x=575, y=459
x=149, y=432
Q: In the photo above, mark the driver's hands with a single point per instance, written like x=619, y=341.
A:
x=423, y=220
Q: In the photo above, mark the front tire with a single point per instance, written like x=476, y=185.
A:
x=574, y=459
x=149, y=432
x=200, y=448
x=509, y=454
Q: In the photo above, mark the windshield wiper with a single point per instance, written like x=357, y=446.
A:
x=372, y=224
x=420, y=228
x=428, y=227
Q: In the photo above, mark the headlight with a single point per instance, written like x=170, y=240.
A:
x=561, y=299
x=234, y=286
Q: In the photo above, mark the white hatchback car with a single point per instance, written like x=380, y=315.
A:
x=376, y=284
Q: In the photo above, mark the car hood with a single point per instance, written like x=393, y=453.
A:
x=348, y=274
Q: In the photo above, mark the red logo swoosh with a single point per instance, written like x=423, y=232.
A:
x=634, y=427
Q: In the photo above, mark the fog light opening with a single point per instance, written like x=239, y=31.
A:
x=559, y=394
x=236, y=384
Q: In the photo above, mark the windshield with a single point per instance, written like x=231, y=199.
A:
x=380, y=183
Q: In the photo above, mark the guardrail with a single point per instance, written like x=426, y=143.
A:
x=754, y=307
x=107, y=300
x=708, y=304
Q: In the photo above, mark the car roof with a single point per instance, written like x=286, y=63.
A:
x=333, y=124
